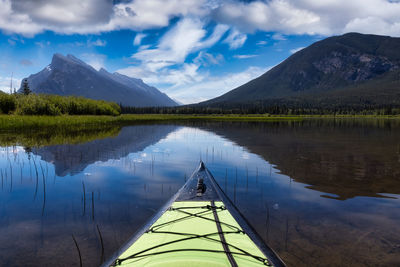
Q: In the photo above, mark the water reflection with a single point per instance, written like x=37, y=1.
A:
x=343, y=158
x=105, y=189
x=69, y=160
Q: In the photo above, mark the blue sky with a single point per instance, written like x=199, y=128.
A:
x=192, y=50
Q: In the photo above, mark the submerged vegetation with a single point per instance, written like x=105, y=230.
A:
x=60, y=135
x=41, y=104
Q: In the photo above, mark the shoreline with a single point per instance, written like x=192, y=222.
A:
x=9, y=122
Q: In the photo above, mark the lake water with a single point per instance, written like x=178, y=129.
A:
x=319, y=192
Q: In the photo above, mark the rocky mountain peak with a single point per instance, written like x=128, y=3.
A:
x=68, y=75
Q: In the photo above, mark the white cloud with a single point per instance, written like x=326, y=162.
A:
x=235, y=39
x=244, y=56
x=42, y=44
x=98, y=42
x=373, y=24
x=190, y=85
x=5, y=83
x=140, y=14
x=186, y=73
x=278, y=37
x=268, y=16
x=261, y=43
x=16, y=22
x=29, y=17
x=208, y=87
x=216, y=35
x=294, y=50
x=138, y=39
x=174, y=46
x=185, y=38
x=207, y=59
x=94, y=60
x=166, y=64
x=312, y=17
x=72, y=16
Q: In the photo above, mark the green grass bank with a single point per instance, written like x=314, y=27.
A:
x=8, y=122
x=11, y=122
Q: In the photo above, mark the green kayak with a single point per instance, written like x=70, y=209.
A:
x=199, y=226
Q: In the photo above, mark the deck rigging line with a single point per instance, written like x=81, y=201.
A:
x=207, y=209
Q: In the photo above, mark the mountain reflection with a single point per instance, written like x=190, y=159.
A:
x=347, y=158
x=70, y=159
x=342, y=158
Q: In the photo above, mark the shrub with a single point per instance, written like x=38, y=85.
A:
x=56, y=105
x=36, y=105
x=8, y=103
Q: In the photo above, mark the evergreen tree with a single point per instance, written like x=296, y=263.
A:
x=25, y=88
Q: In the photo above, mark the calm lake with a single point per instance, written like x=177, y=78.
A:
x=319, y=192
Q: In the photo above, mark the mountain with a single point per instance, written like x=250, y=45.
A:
x=67, y=75
x=349, y=68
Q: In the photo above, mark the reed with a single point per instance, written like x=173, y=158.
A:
x=92, y=206
x=101, y=243
x=287, y=234
x=267, y=223
x=84, y=198
x=37, y=179
x=79, y=251
x=44, y=189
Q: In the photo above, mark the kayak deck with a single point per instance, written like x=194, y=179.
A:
x=199, y=226
x=187, y=235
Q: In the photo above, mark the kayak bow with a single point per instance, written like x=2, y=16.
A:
x=199, y=226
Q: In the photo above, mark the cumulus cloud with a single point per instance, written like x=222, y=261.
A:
x=140, y=14
x=268, y=16
x=29, y=17
x=312, y=17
